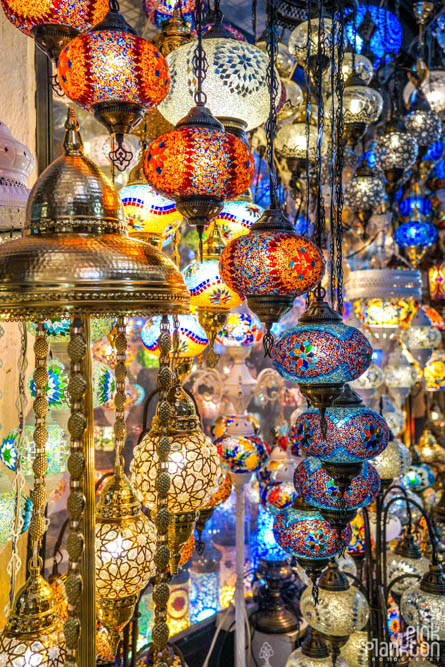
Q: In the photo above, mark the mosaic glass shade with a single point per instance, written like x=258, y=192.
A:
x=345, y=564
x=271, y=263
x=372, y=378
x=414, y=205
x=298, y=659
x=394, y=461
x=356, y=651
x=321, y=353
x=81, y=15
x=396, y=150
x=240, y=330
x=423, y=610
x=59, y=330
x=424, y=126
x=435, y=371
x=419, y=477
x=57, y=450
x=364, y=192
x=7, y=514
x=421, y=335
x=361, y=104
x=204, y=595
x=107, y=65
x=337, y=613
x=207, y=286
x=148, y=213
x=192, y=337
x=387, y=37
x=352, y=434
x=399, y=373
x=305, y=534
x=395, y=312
x=315, y=487
x=243, y=454
x=235, y=82
x=197, y=161
x=353, y=63
x=277, y=496
x=357, y=543
x=236, y=219
x=398, y=565
x=417, y=233
x=159, y=11
x=57, y=386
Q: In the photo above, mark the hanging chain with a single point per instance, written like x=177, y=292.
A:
x=113, y=5
x=176, y=241
x=161, y=591
x=120, y=396
x=272, y=85
x=40, y=465
x=18, y=484
x=332, y=281
x=339, y=160
x=320, y=222
x=199, y=62
x=308, y=112
x=254, y=10
x=77, y=350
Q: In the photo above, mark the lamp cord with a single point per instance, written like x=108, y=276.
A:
x=200, y=64
x=339, y=161
x=272, y=84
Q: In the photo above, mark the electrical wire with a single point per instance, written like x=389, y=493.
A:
x=217, y=631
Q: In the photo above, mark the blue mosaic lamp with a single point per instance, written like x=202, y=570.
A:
x=7, y=515
x=414, y=205
x=302, y=532
x=415, y=237
x=386, y=39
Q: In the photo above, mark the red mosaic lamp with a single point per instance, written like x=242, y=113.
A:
x=54, y=23
x=116, y=75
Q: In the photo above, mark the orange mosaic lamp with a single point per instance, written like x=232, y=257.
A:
x=53, y=23
x=116, y=75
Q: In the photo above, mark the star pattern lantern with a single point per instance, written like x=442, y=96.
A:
x=271, y=266
x=424, y=125
x=193, y=465
x=54, y=23
x=116, y=75
x=303, y=533
x=199, y=165
x=321, y=353
x=365, y=193
x=396, y=150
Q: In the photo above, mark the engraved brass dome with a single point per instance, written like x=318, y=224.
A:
x=76, y=257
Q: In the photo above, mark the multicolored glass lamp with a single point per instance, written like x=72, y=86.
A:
x=237, y=217
x=415, y=237
x=56, y=22
x=159, y=11
x=192, y=337
x=209, y=294
x=240, y=330
x=150, y=216
x=114, y=74
x=364, y=193
x=434, y=372
x=406, y=558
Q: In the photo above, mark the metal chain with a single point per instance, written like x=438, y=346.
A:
x=77, y=350
x=272, y=85
x=339, y=161
x=320, y=221
x=120, y=396
x=308, y=111
x=333, y=142
x=254, y=28
x=176, y=241
x=114, y=5
x=199, y=62
x=18, y=484
x=161, y=591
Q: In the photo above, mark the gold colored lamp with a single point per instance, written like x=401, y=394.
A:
x=174, y=33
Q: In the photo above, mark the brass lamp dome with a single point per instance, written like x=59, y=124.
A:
x=76, y=257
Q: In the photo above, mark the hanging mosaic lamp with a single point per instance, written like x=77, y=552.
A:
x=393, y=462
x=321, y=353
x=193, y=464
x=277, y=496
x=235, y=82
x=414, y=205
x=150, y=216
x=55, y=22
x=415, y=238
x=423, y=605
x=271, y=266
x=243, y=454
x=209, y=294
x=8, y=510
x=336, y=505
x=192, y=337
x=420, y=477
x=303, y=533
x=367, y=384
x=114, y=74
x=237, y=217
x=434, y=372
x=423, y=124
x=364, y=193
x=399, y=375
x=159, y=11
x=396, y=150
x=429, y=449
x=354, y=433
x=240, y=330
x=175, y=32
x=406, y=558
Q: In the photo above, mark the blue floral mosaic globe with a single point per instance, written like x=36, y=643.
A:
x=416, y=233
x=57, y=450
x=305, y=534
x=316, y=353
x=7, y=514
x=415, y=205
x=419, y=477
x=353, y=434
x=277, y=496
x=243, y=454
x=317, y=488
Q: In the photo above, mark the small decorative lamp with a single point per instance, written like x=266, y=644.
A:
x=395, y=151
x=341, y=609
x=423, y=124
x=420, y=477
x=429, y=449
x=116, y=75
x=16, y=163
x=277, y=496
x=240, y=330
x=421, y=338
x=54, y=23
x=400, y=376
x=159, y=11
x=415, y=237
x=356, y=650
x=364, y=193
x=150, y=216
x=243, y=455
x=393, y=462
x=192, y=337
x=236, y=218
x=414, y=205
x=423, y=605
x=393, y=415
x=405, y=559
x=314, y=652
x=435, y=371
x=193, y=465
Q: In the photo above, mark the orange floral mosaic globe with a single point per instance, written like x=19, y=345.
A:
x=193, y=161
x=81, y=14
x=113, y=66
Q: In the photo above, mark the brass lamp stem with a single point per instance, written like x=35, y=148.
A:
x=120, y=370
